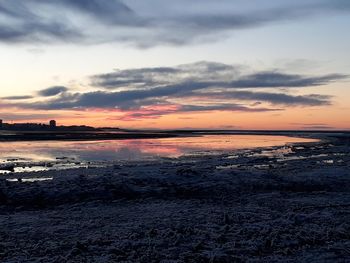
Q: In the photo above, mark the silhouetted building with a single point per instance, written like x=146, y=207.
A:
x=52, y=124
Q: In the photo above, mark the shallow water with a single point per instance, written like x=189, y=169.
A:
x=80, y=151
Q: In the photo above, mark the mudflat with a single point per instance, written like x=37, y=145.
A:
x=275, y=204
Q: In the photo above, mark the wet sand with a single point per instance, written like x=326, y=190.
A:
x=276, y=204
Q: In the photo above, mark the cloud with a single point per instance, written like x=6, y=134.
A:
x=52, y=91
x=25, y=97
x=34, y=21
x=21, y=21
x=318, y=127
x=146, y=25
x=145, y=77
x=197, y=87
x=203, y=75
x=223, y=107
x=313, y=126
x=269, y=97
x=271, y=79
x=159, y=111
x=111, y=10
x=25, y=116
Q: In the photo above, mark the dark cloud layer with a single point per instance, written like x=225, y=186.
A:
x=279, y=80
x=313, y=126
x=52, y=91
x=24, y=97
x=197, y=87
x=113, y=20
x=20, y=22
x=205, y=75
x=272, y=98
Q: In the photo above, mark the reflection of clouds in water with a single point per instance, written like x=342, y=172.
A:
x=136, y=149
x=126, y=150
x=123, y=153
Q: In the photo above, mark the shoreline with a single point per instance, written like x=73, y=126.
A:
x=17, y=136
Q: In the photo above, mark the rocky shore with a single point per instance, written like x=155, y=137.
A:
x=279, y=204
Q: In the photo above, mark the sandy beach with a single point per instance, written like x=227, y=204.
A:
x=275, y=204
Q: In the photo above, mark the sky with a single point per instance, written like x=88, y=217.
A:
x=185, y=64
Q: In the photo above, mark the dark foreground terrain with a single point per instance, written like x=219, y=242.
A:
x=282, y=204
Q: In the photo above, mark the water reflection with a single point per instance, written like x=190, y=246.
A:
x=20, y=157
x=135, y=149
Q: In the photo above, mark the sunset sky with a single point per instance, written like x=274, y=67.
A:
x=209, y=64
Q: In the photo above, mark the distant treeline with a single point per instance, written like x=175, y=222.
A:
x=43, y=127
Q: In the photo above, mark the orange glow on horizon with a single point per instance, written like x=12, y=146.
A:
x=294, y=118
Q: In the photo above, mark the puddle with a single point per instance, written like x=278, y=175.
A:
x=30, y=180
